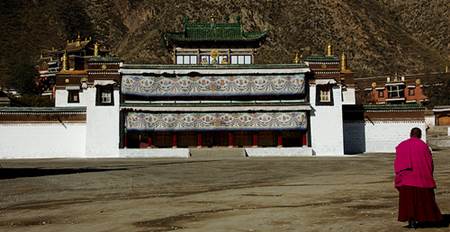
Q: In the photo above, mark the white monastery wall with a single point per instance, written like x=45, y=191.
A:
x=102, y=129
x=327, y=125
x=61, y=97
x=378, y=136
x=42, y=140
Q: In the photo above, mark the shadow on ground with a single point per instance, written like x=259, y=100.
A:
x=444, y=223
x=11, y=173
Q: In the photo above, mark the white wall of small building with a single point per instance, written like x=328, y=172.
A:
x=42, y=140
x=102, y=130
x=327, y=125
x=349, y=96
x=378, y=136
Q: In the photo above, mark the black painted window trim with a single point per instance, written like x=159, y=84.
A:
x=322, y=87
x=101, y=89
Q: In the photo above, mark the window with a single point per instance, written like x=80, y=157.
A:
x=380, y=93
x=241, y=59
x=223, y=59
x=105, y=95
x=205, y=59
x=74, y=96
x=395, y=91
x=324, y=95
x=411, y=92
x=189, y=59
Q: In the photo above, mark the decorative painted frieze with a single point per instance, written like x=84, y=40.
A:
x=264, y=85
x=216, y=121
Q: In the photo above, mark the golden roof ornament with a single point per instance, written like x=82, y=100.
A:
x=329, y=50
x=297, y=58
x=96, y=49
x=64, y=61
x=214, y=54
x=343, y=62
x=374, y=85
x=78, y=40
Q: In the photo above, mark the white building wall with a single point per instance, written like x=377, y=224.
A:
x=349, y=96
x=42, y=140
x=385, y=136
x=326, y=125
x=430, y=120
x=102, y=129
x=379, y=136
x=62, y=97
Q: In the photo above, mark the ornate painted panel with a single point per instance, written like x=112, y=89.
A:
x=216, y=121
x=242, y=85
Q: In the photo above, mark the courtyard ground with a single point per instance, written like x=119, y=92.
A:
x=207, y=193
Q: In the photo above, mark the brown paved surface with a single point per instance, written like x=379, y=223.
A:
x=354, y=193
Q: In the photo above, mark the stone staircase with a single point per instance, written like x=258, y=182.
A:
x=438, y=138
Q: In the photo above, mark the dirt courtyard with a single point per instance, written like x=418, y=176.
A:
x=207, y=193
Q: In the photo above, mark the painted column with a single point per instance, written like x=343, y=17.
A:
x=304, y=139
x=125, y=139
x=230, y=139
x=150, y=141
x=174, y=140
x=279, y=139
x=199, y=139
x=255, y=139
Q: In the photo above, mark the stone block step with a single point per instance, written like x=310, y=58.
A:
x=217, y=152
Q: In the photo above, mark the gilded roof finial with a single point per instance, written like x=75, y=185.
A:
x=343, y=62
x=446, y=68
x=329, y=52
x=96, y=49
x=297, y=58
x=64, y=61
x=78, y=41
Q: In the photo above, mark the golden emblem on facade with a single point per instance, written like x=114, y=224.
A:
x=214, y=54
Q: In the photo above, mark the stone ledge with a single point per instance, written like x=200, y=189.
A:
x=155, y=153
x=279, y=151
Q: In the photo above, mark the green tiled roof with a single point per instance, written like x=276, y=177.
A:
x=41, y=109
x=321, y=58
x=410, y=106
x=200, y=31
x=104, y=59
x=216, y=67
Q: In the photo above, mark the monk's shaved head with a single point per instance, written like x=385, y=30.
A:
x=416, y=133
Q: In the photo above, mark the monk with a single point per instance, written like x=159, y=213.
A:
x=414, y=180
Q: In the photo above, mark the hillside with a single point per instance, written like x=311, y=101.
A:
x=380, y=36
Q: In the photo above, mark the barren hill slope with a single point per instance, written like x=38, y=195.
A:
x=380, y=36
